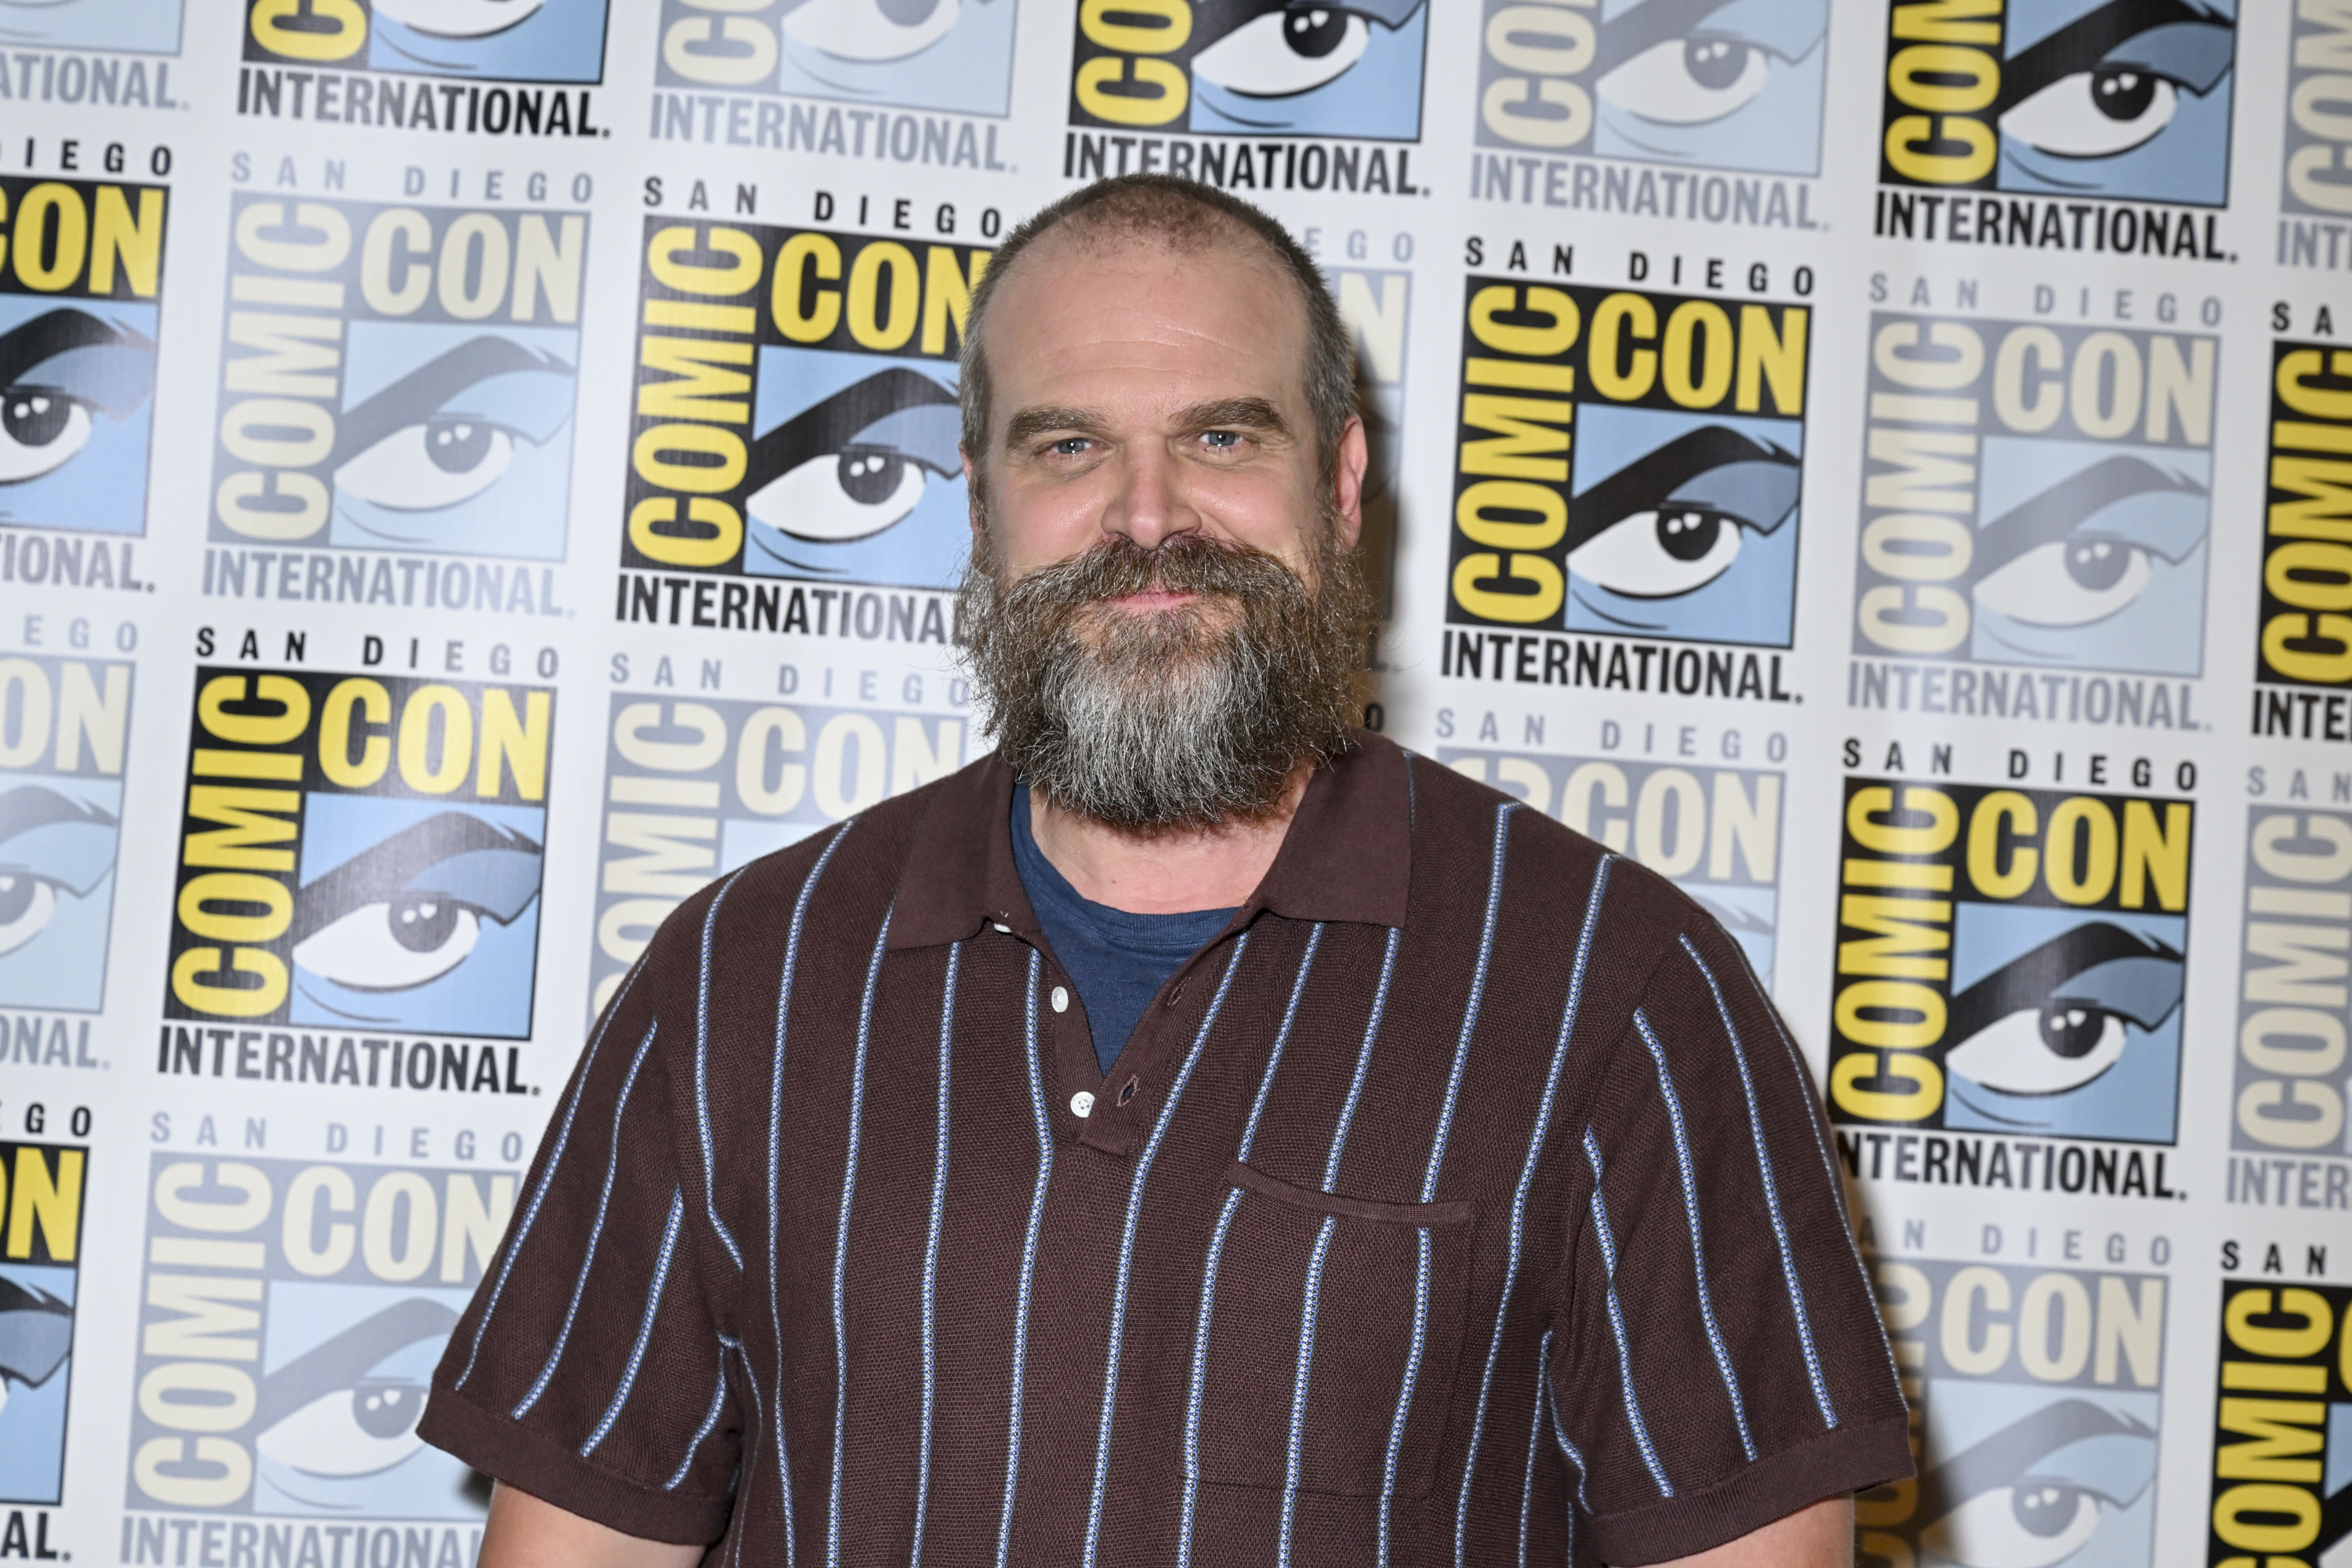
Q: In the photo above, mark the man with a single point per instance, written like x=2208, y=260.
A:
x=1199, y=1133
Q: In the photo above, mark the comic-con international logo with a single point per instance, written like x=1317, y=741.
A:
x=695, y=789
x=2036, y=494
x=2317, y=175
x=2283, y=1425
x=1714, y=832
x=1628, y=463
x=1721, y=84
x=2063, y=98
x=65, y=724
x=361, y=851
x=933, y=54
x=2307, y=595
x=398, y=377
x=291, y=1317
x=81, y=278
x=2037, y=1403
x=1251, y=67
x=796, y=410
x=498, y=40
x=2009, y=960
x=40, y=1239
x=2294, y=994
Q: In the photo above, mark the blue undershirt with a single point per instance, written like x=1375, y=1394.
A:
x=1117, y=960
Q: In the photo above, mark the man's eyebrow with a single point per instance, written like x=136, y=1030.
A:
x=1032, y=423
x=1247, y=413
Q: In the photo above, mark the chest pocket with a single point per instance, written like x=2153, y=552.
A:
x=1386, y=1285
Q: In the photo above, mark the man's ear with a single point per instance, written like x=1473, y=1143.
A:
x=1348, y=488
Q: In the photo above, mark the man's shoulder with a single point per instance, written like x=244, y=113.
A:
x=1547, y=862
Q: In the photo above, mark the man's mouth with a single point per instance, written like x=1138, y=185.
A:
x=1153, y=598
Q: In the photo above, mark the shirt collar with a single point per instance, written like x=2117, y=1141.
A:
x=1348, y=856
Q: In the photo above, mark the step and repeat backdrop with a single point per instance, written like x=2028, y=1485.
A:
x=472, y=471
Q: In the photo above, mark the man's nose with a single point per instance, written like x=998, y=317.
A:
x=1149, y=505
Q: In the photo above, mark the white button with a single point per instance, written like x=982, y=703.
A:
x=1061, y=999
x=1003, y=927
x=1083, y=1102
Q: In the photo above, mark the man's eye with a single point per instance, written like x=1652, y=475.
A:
x=1071, y=446
x=2093, y=113
x=427, y=466
x=39, y=431
x=839, y=495
x=26, y=905
x=1284, y=53
x=2067, y=582
x=1222, y=440
x=1659, y=554
x=1687, y=82
x=392, y=946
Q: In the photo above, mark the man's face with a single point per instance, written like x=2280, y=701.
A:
x=1146, y=395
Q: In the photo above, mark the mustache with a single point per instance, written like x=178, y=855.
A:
x=1184, y=563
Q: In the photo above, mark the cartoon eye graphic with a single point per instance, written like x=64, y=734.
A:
x=2093, y=114
x=1284, y=53
x=392, y=946
x=2079, y=552
x=873, y=29
x=54, y=370
x=2111, y=79
x=1688, y=81
x=445, y=432
x=26, y=902
x=1670, y=520
x=857, y=462
x=2035, y=1493
x=409, y=910
x=843, y=496
x=458, y=18
x=36, y=1335
x=329, y=1412
x=2053, y=1018
x=423, y=468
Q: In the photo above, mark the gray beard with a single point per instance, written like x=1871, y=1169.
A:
x=1168, y=721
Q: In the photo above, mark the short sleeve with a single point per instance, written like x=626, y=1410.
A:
x=1724, y=1364
x=589, y=1370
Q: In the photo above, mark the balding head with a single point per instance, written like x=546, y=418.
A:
x=1180, y=219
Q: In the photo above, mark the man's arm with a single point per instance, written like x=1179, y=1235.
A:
x=524, y=1532
x=1820, y=1536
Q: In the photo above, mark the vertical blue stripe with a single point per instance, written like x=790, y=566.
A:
x=1126, y=1246
x=1617, y=1323
x=702, y=1072
x=1698, y=1247
x=747, y=1466
x=775, y=1176
x=1470, y=1010
x=709, y=1421
x=644, y=1326
x=1771, y=1193
x=1404, y=1396
x=1535, y=1441
x=513, y=1247
x=1200, y=1376
x=595, y=1234
x=841, y=1242
x=1560, y=1431
x=1216, y=1251
x=931, y=1258
x=1542, y=1129
x=1028, y=1270
x=1295, y=1453
x=1363, y=1063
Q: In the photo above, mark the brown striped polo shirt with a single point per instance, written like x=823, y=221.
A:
x=1462, y=1203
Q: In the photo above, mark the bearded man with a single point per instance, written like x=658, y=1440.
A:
x=1200, y=1132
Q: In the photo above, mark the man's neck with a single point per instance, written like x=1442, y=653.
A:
x=1171, y=873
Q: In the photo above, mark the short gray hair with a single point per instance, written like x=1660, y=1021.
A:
x=1183, y=216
